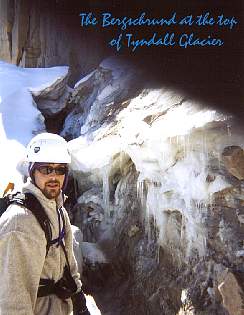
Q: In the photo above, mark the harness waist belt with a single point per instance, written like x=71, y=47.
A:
x=46, y=287
x=58, y=288
x=63, y=288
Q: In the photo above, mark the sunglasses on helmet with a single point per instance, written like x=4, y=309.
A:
x=47, y=169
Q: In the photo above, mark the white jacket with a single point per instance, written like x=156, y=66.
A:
x=23, y=259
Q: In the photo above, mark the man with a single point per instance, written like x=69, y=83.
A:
x=33, y=277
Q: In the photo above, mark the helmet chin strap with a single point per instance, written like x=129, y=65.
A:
x=65, y=181
x=31, y=170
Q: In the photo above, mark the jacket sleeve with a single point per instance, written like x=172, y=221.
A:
x=22, y=255
x=70, y=252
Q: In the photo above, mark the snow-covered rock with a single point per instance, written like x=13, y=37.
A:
x=54, y=98
x=98, y=96
x=51, y=107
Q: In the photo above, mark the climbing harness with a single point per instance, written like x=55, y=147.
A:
x=65, y=287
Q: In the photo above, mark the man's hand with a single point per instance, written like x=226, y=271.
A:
x=79, y=304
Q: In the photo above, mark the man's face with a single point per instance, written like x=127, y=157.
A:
x=49, y=178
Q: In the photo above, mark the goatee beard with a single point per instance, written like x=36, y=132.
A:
x=52, y=193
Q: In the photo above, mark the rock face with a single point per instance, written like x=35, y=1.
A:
x=232, y=293
x=77, y=243
x=165, y=173
x=35, y=34
x=233, y=158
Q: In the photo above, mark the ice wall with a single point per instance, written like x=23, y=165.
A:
x=175, y=144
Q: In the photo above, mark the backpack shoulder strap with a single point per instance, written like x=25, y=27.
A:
x=29, y=201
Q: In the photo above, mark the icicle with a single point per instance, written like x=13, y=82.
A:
x=106, y=190
x=158, y=253
x=184, y=146
x=177, y=140
x=141, y=195
x=152, y=207
x=229, y=130
x=140, y=190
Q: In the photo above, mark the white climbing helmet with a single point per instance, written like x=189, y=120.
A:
x=48, y=148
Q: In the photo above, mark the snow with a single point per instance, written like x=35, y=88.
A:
x=92, y=306
x=84, y=79
x=13, y=78
x=106, y=190
x=19, y=117
x=86, y=157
